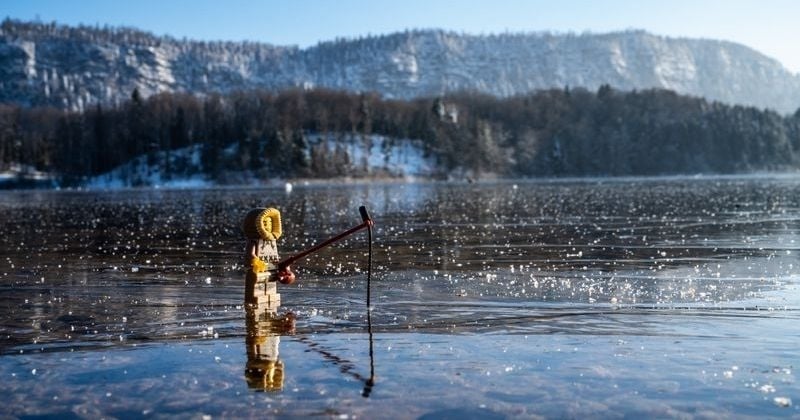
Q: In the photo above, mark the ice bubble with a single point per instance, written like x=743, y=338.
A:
x=767, y=388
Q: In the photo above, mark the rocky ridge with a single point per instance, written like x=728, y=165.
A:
x=78, y=67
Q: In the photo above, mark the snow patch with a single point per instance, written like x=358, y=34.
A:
x=367, y=155
x=376, y=153
x=14, y=175
x=139, y=172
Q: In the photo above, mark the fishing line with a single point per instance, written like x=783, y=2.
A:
x=369, y=266
x=369, y=383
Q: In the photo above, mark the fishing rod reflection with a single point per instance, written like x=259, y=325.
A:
x=346, y=366
x=264, y=370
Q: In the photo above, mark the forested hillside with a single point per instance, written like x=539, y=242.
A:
x=561, y=132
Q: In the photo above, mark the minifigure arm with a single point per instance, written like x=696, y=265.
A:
x=252, y=247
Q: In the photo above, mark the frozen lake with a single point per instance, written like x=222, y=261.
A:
x=587, y=298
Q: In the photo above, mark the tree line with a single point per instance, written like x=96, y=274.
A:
x=557, y=132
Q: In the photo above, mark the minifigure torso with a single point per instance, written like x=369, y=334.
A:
x=267, y=251
x=264, y=250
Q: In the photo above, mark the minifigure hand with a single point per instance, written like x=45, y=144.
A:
x=286, y=276
x=257, y=265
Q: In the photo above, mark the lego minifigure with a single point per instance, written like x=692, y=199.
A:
x=262, y=227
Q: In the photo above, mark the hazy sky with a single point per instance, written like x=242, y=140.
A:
x=769, y=26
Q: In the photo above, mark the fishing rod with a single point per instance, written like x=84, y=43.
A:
x=285, y=274
x=369, y=383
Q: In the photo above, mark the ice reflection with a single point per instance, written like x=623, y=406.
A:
x=656, y=298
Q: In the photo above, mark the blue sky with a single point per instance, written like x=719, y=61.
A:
x=766, y=25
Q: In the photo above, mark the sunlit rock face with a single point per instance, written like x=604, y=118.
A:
x=45, y=64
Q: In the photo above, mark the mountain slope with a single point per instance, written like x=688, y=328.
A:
x=49, y=64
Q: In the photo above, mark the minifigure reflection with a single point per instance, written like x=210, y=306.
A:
x=264, y=370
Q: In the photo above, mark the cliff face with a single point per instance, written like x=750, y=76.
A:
x=47, y=64
x=424, y=63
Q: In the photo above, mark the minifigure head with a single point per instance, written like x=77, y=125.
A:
x=264, y=224
x=264, y=375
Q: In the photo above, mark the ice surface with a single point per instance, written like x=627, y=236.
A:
x=650, y=298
